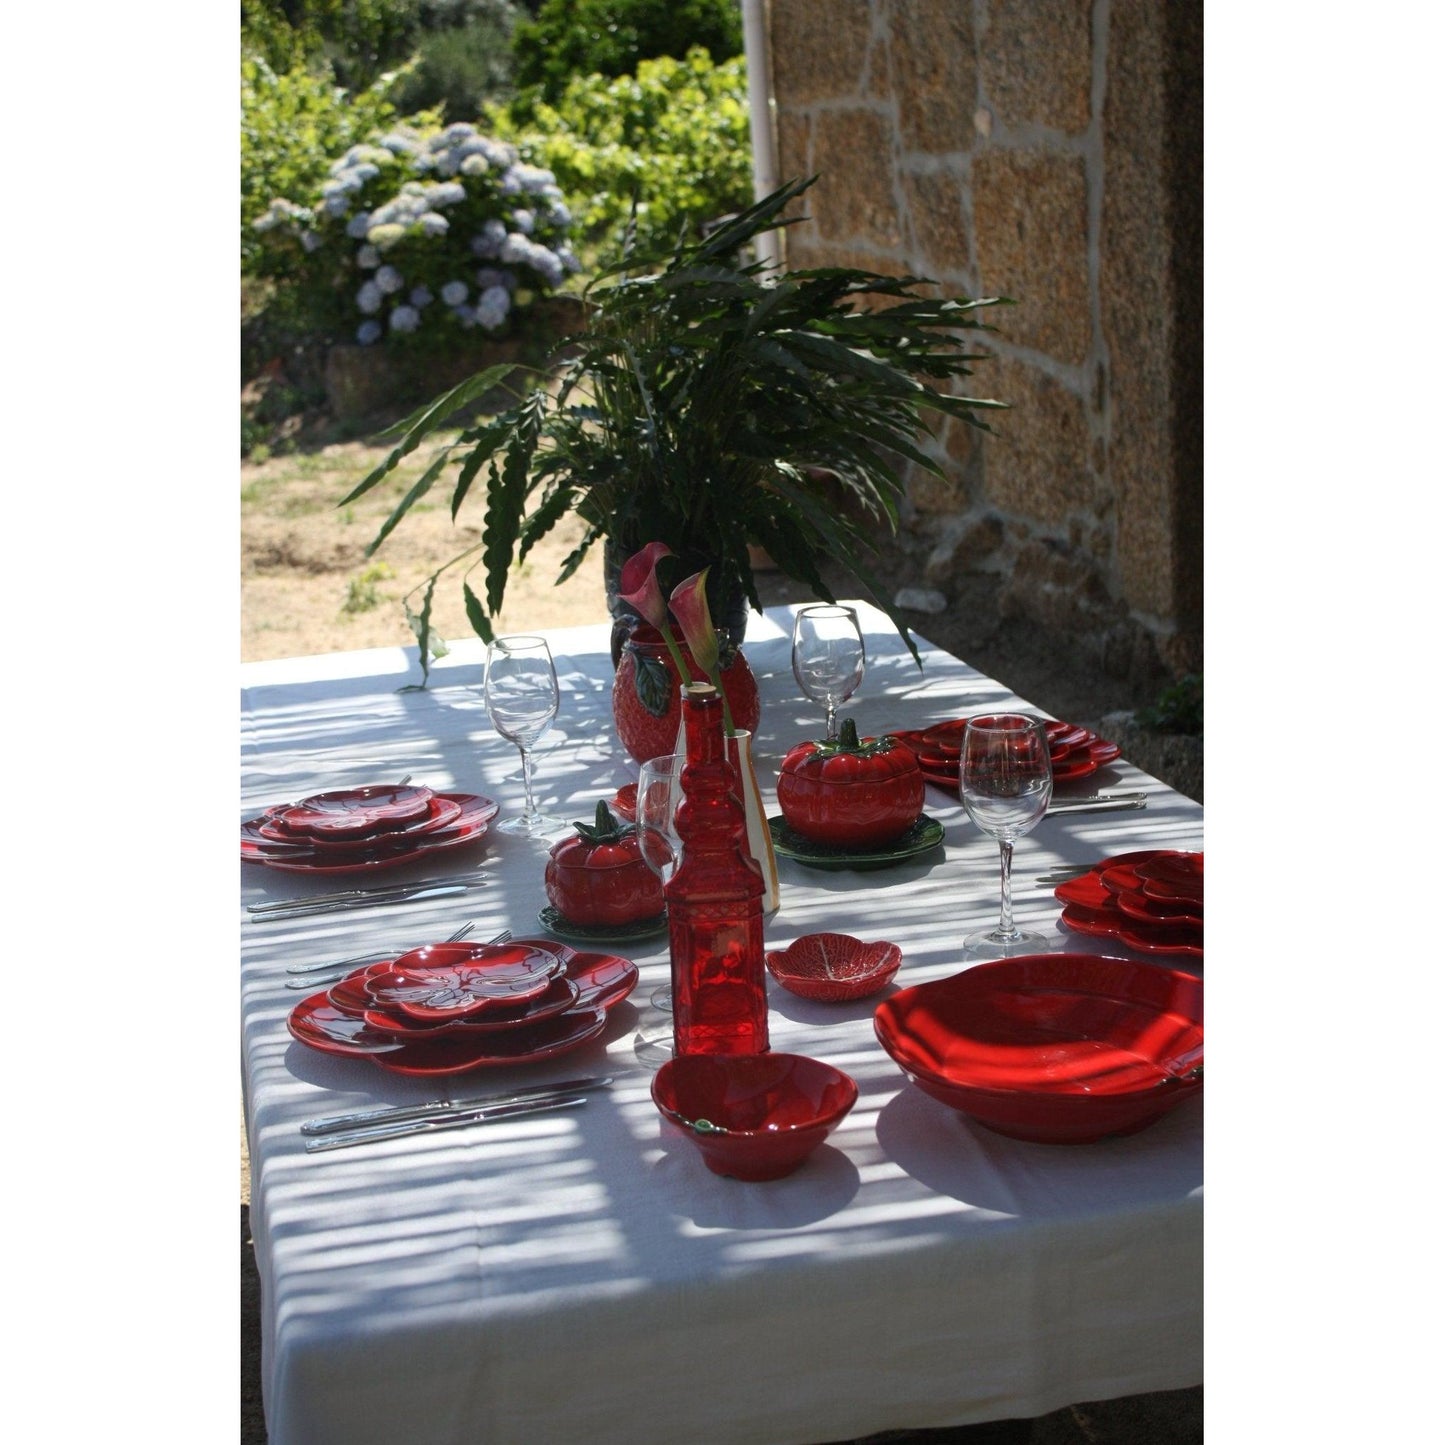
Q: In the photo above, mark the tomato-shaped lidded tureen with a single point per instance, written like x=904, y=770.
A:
x=599, y=875
x=851, y=794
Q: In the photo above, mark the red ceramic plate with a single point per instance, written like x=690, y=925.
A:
x=308, y=856
x=451, y=980
x=440, y=812
x=1058, y=1048
x=1152, y=938
x=603, y=979
x=1093, y=758
x=351, y=812
x=1131, y=892
x=319, y=1024
x=462, y=1054
x=624, y=803
x=559, y=995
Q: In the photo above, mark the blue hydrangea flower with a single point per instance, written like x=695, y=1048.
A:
x=358, y=226
x=368, y=258
x=389, y=280
x=524, y=221
x=420, y=297
x=368, y=299
x=405, y=318
x=368, y=332
x=454, y=293
x=432, y=224
x=493, y=306
x=489, y=276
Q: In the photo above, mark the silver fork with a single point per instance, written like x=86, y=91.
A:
x=309, y=975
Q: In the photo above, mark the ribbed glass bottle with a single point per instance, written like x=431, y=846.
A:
x=714, y=900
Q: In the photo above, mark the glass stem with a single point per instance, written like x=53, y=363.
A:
x=832, y=729
x=1005, y=895
x=527, y=779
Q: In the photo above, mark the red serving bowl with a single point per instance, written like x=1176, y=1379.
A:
x=753, y=1116
x=1057, y=1048
x=834, y=967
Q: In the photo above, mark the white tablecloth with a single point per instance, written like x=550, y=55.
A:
x=581, y=1276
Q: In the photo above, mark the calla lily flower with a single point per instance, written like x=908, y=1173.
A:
x=638, y=587
x=694, y=617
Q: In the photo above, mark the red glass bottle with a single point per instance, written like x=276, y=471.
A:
x=714, y=900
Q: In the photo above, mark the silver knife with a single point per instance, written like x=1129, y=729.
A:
x=385, y=890
x=1103, y=805
x=441, y=1121
x=398, y=1113
x=311, y=910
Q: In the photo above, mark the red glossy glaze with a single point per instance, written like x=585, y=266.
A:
x=767, y=1112
x=450, y=980
x=1058, y=1048
x=598, y=876
x=646, y=702
x=850, y=792
x=347, y=812
x=834, y=967
x=714, y=902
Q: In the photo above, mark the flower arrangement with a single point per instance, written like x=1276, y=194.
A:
x=716, y=406
x=640, y=588
x=429, y=232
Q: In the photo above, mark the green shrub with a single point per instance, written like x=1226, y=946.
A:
x=421, y=236
x=461, y=66
x=675, y=134
x=293, y=123
x=359, y=39
x=1178, y=709
x=572, y=38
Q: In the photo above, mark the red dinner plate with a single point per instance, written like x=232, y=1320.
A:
x=1109, y=922
x=309, y=856
x=347, y=812
x=319, y=1024
x=528, y=1045
x=439, y=814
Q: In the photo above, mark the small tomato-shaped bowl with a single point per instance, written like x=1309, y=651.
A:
x=850, y=793
x=834, y=967
x=753, y=1116
x=599, y=878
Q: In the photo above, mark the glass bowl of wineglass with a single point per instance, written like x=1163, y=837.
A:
x=522, y=698
x=828, y=658
x=1006, y=782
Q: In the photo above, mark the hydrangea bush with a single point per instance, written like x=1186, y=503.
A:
x=415, y=237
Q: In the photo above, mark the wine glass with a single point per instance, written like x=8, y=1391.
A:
x=522, y=698
x=828, y=657
x=659, y=791
x=1006, y=782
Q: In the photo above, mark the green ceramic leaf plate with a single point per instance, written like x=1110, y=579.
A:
x=926, y=833
x=564, y=927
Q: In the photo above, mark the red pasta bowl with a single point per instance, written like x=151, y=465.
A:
x=1057, y=1048
x=753, y=1116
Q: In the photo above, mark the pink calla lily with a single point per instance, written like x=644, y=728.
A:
x=638, y=586
x=689, y=606
x=694, y=617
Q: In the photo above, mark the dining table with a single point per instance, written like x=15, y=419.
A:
x=579, y=1274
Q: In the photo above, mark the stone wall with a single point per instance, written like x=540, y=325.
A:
x=1049, y=151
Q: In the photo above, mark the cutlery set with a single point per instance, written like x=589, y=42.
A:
x=341, y=1131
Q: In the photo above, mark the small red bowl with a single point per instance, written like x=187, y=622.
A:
x=753, y=1116
x=834, y=967
x=1057, y=1048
